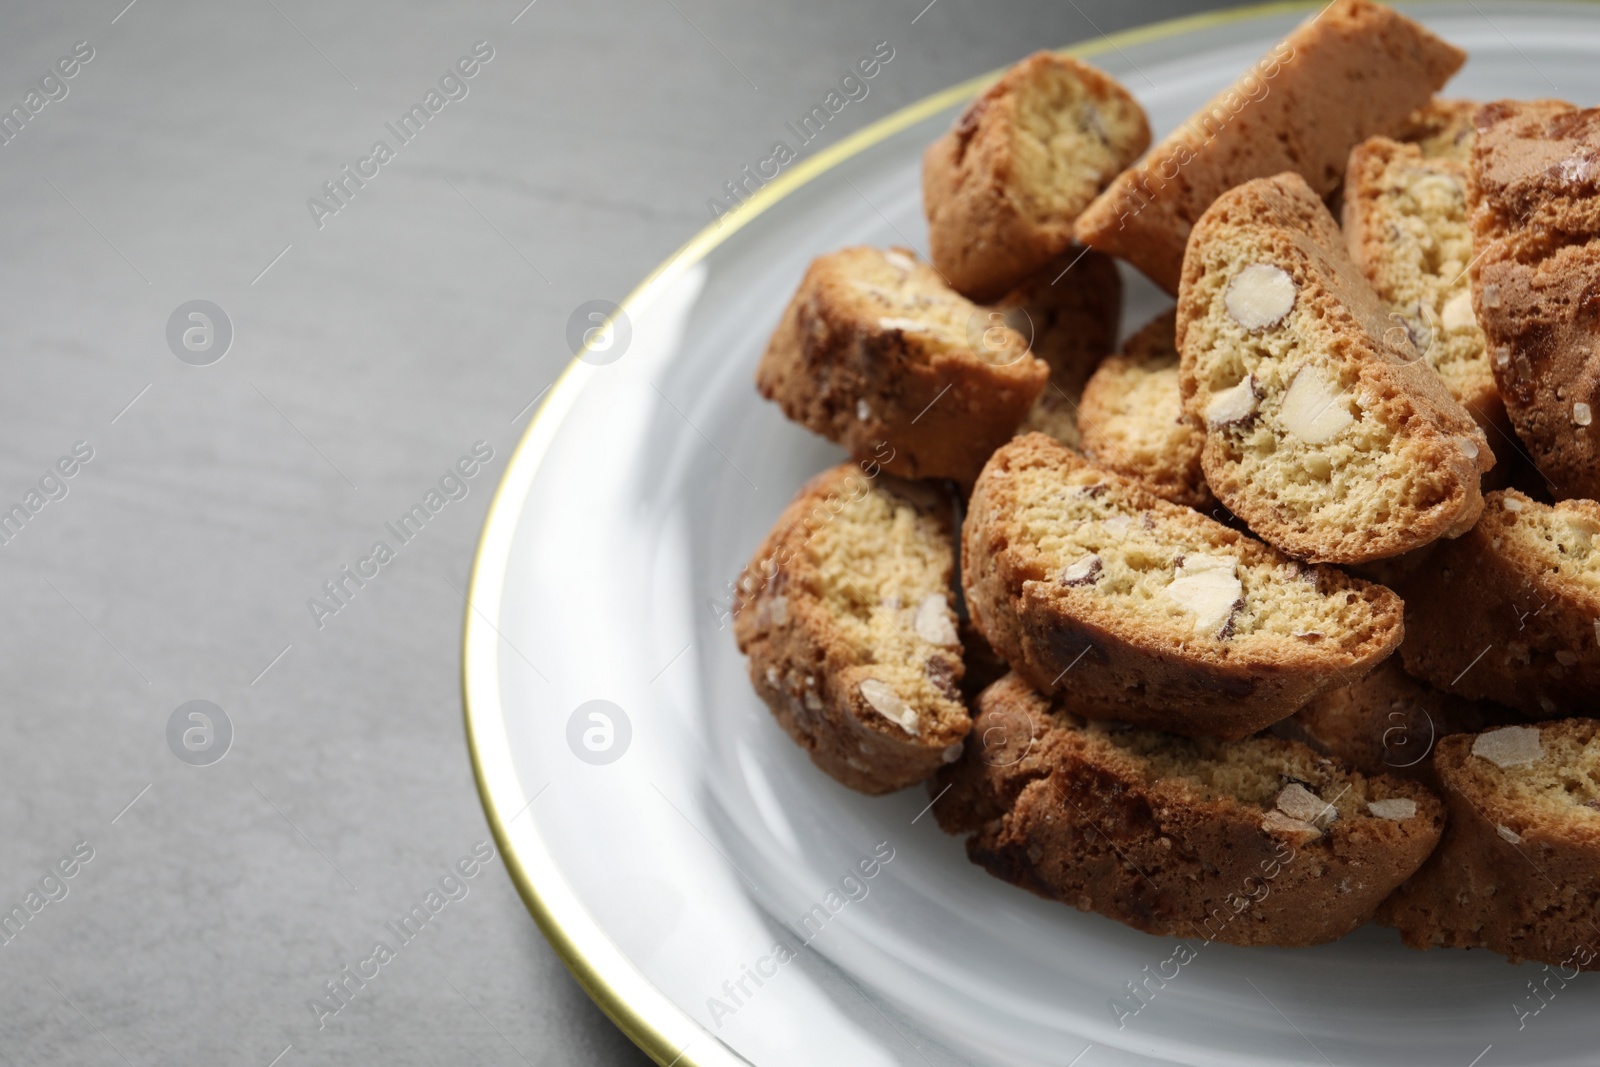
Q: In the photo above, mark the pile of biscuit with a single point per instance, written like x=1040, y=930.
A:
x=1285, y=616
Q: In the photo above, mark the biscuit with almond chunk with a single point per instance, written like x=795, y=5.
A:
x=875, y=352
x=1003, y=188
x=1147, y=611
x=1518, y=870
x=1325, y=431
x=845, y=612
x=1253, y=842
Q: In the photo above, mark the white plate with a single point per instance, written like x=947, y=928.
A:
x=642, y=487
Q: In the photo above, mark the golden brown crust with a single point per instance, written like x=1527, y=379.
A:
x=805, y=663
x=1513, y=874
x=1354, y=70
x=1400, y=469
x=1002, y=188
x=1508, y=613
x=1389, y=723
x=1294, y=631
x=1090, y=816
x=1131, y=418
x=1536, y=222
x=876, y=353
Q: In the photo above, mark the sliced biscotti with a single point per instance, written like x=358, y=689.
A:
x=1536, y=225
x=877, y=353
x=1442, y=129
x=1071, y=311
x=1518, y=870
x=1146, y=611
x=1511, y=611
x=845, y=614
x=1132, y=421
x=1324, y=431
x=1408, y=227
x=1352, y=71
x=1389, y=722
x=1253, y=842
x=1002, y=188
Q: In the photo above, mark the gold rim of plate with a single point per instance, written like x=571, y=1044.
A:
x=664, y=1031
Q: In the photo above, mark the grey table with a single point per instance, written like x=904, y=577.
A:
x=179, y=895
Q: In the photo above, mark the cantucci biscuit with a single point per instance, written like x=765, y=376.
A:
x=1408, y=227
x=1325, y=432
x=1147, y=611
x=845, y=613
x=1253, y=842
x=1518, y=870
x=1003, y=187
x=1536, y=227
x=877, y=353
x=1511, y=611
x=1352, y=71
x=1131, y=419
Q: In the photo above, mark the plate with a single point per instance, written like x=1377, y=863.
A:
x=723, y=900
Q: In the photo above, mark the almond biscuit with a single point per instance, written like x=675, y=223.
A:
x=1147, y=611
x=1253, y=842
x=1003, y=187
x=845, y=613
x=1325, y=431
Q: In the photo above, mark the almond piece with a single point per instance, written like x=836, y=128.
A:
x=1259, y=296
x=1117, y=525
x=1313, y=410
x=886, y=702
x=1509, y=746
x=1298, y=802
x=901, y=261
x=1084, y=572
x=907, y=325
x=1457, y=311
x=1395, y=808
x=933, y=623
x=1297, y=830
x=1228, y=407
x=1209, y=588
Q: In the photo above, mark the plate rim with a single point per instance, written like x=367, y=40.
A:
x=640, y=1010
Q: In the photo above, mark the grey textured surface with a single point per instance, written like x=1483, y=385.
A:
x=421, y=318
